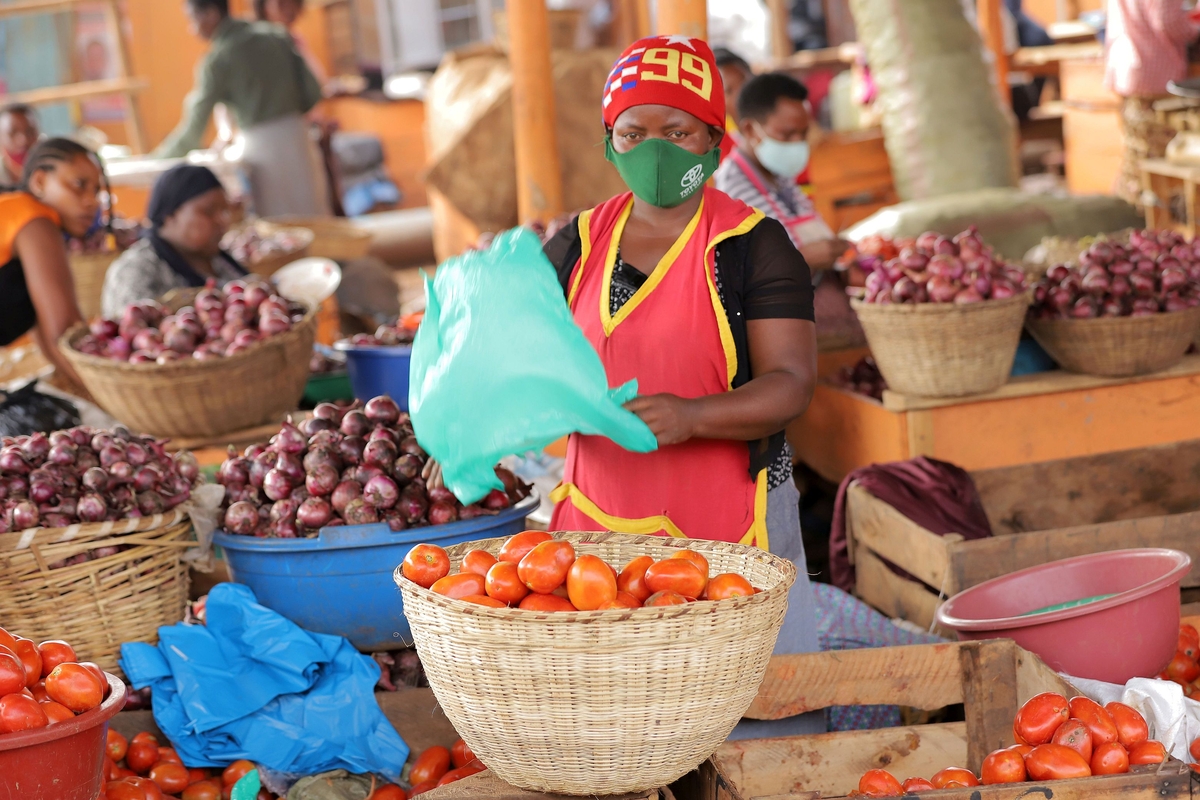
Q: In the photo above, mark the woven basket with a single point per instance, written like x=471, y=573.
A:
x=601, y=702
x=270, y=264
x=200, y=398
x=88, y=270
x=98, y=604
x=1118, y=346
x=333, y=237
x=944, y=349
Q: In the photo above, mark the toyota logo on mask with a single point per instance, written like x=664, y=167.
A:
x=692, y=180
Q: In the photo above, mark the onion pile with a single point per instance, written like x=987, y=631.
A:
x=88, y=475
x=220, y=323
x=252, y=244
x=343, y=466
x=870, y=252
x=385, y=336
x=1158, y=271
x=936, y=269
x=322, y=364
x=863, y=378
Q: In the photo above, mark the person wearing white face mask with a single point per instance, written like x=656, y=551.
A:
x=773, y=152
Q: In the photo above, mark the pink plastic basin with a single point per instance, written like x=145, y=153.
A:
x=63, y=761
x=1131, y=634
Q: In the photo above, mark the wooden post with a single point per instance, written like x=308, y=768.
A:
x=991, y=28
x=686, y=17
x=781, y=40
x=631, y=21
x=539, y=171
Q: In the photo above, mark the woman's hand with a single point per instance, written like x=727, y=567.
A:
x=432, y=473
x=671, y=418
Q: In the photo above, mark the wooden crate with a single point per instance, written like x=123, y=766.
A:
x=1039, y=513
x=991, y=679
x=851, y=177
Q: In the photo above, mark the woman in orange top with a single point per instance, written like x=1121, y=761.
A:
x=59, y=195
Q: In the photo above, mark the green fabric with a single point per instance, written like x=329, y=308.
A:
x=255, y=70
x=662, y=173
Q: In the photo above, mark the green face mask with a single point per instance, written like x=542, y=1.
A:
x=662, y=173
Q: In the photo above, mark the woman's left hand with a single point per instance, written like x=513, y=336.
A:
x=672, y=419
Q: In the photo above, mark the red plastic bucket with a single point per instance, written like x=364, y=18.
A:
x=1133, y=633
x=63, y=761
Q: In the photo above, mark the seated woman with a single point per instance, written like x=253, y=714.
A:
x=189, y=214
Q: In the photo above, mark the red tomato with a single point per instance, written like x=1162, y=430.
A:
x=1075, y=735
x=1054, y=762
x=422, y=788
x=1040, y=717
x=545, y=567
x=464, y=584
x=21, y=713
x=169, y=754
x=518, y=546
x=917, y=785
x=590, y=583
x=1182, y=669
x=461, y=754
x=1101, y=725
x=116, y=745
x=236, y=771
x=141, y=756
x=149, y=788
x=75, y=687
x=727, y=585
x=202, y=790
x=389, y=791
x=696, y=558
x=38, y=690
x=632, y=579
x=144, y=736
x=462, y=772
x=195, y=775
x=1194, y=749
x=12, y=674
x=623, y=600
x=124, y=790
x=170, y=777
x=1187, y=647
x=1110, y=759
x=676, y=575
x=483, y=600
x=546, y=602
x=1190, y=633
x=98, y=673
x=1023, y=749
x=56, y=712
x=1131, y=726
x=1150, y=752
x=31, y=659
x=1003, y=766
x=963, y=777
x=477, y=561
x=431, y=765
x=879, y=783
x=665, y=599
x=503, y=583
x=54, y=653
x=425, y=564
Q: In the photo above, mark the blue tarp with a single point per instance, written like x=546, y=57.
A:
x=251, y=684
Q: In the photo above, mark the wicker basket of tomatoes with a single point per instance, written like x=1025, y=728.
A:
x=627, y=695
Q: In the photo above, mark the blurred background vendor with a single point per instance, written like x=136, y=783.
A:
x=18, y=134
x=189, y=214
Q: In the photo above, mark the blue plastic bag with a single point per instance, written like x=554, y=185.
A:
x=499, y=367
x=251, y=684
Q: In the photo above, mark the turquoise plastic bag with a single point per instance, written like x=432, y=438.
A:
x=499, y=367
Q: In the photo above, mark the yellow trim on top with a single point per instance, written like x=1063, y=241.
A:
x=585, y=244
x=646, y=526
x=656, y=277
x=727, y=343
x=757, y=535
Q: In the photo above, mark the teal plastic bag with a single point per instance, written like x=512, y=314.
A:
x=499, y=367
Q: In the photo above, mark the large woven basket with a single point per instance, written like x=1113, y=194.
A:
x=201, y=398
x=333, y=237
x=601, y=702
x=96, y=605
x=1118, y=346
x=268, y=265
x=88, y=270
x=944, y=349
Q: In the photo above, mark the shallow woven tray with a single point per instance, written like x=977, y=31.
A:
x=1118, y=346
x=601, y=702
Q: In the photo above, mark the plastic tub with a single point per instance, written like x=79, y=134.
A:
x=1130, y=633
x=63, y=761
x=341, y=581
x=378, y=370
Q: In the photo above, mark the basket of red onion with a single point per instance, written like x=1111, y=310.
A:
x=91, y=537
x=1123, y=309
x=228, y=360
x=317, y=519
x=943, y=318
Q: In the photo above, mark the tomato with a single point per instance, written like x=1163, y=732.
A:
x=123, y=790
x=422, y=788
x=56, y=712
x=623, y=600
x=519, y=545
x=676, y=575
x=1003, y=766
x=12, y=674
x=431, y=765
x=144, y=736
x=879, y=783
x=504, y=584
x=545, y=567
x=38, y=690
x=561, y=591
x=632, y=579
x=727, y=585
x=1182, y=669
x=425, y=564
x=461, y=754
x=141, y=756
x=195, y=775
x=483, y=600
x=477, y=561
x=1131, y=726
x=696, y=558
x=590, y=583
x=1023, y=749
x=958, y=775
x=21, y=713
x=1187, y=647
x=53, y=653
x=1054, y=762
x=1194, y=749
x=149, y=788
x=236, y=771
x=665, y=599
x=389, y=791
x=1040, y=717
x=75, y=687
x=1099, y=722
x=464, y=584
x=458, y=774
x=8, y=640
x=169, y=754
x=917, y=785
x=98, y=673
x=546, y=602
x=169, y=776
x=31, y=659
x=1190, y=633
x=202, y=790
x=115, y=745
x=1149, y=752
x=1110, y=759
x=1017, y=737
x=1075, y=735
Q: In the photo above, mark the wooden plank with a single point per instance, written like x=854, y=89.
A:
x=76, y=91
x=989, y=698
x=896, y=597
x=1170, y=169
x=896, y=538
x=1035, y=677
x=920, y=433
x=20, y=7
x=842, y=431
x=1030, y=58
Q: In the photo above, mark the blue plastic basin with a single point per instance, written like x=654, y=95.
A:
x=376, y=371
x=341, y=581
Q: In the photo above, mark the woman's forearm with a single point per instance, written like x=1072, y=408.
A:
x=762, y=407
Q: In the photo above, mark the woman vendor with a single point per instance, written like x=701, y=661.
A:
x=189, y=214
x=59, y=194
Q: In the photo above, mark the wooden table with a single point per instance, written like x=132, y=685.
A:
x=1165, y=179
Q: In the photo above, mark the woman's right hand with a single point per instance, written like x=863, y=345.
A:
x=432, y=473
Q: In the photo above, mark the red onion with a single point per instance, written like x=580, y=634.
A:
x=382, y=434
x=327, y=411
x=473, y=511
x=54, y=519
x=410, y=445
x=24, y=516
x=120, y=472
x=395, y=520
x=358, y=512
x=289, y=439
x=241, y=518
x=260, y=465
x=289, y=464
x=350, y=448
x=111, y=454
x=91, y=508
x=412, y=504
x=1002, y=290
x=355, y=423
x=62, y=454
x=314, y=425
x=382, y=410
x=13, y=460
x=274, y=324
x=968, y=295
x=299, y=494
x=1084, y=308
x=319, y=456
x=187, y=465
x=284, y=509
x=496, y=500
x=327, y=439
x=441, y=513
x=36, y=447
x=343, y=493
x=321, y=480
x=276, y=485
x=42, y=491
x=381, y=492
x=314, y=513
x=379, y=453
x=145, y=479
x=440, y=494
x=150, y=503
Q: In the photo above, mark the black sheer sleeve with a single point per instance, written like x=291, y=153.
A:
x=563, y=250
x=778, y=280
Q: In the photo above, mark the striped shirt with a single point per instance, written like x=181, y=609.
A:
x=788, y=204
